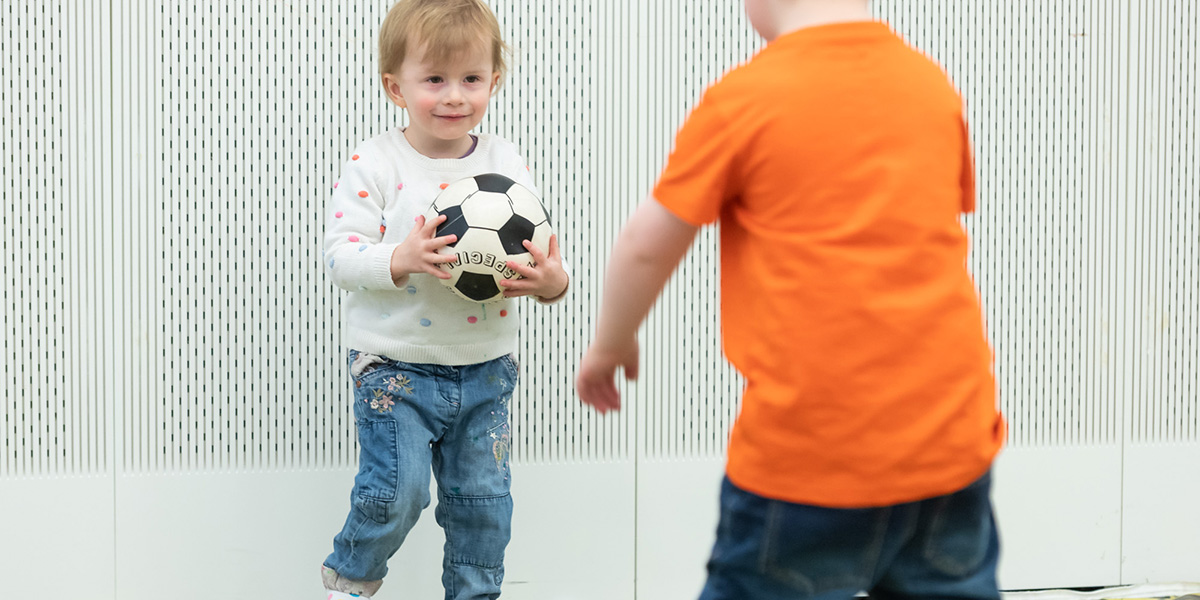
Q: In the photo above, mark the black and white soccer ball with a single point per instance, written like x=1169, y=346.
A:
x=491, y=215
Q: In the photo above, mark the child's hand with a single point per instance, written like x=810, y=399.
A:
x=546, y=279
x=595, y=382
x=418, y=253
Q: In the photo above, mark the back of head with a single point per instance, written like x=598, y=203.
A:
x=441, y=30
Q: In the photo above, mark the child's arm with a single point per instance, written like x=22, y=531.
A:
x=647, y=251
x=355, y=253
x=547, y=279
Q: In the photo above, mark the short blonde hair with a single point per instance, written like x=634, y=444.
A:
x=443, y=29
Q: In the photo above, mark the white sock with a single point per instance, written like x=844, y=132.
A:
x=332, y=595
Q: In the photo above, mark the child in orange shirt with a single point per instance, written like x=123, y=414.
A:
x=838, y=164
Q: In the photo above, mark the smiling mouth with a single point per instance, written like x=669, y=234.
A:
x=451, y=117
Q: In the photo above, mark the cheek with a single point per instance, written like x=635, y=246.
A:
x=480, y=99
x=426, y=102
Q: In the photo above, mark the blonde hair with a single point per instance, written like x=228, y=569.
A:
x=443, y=29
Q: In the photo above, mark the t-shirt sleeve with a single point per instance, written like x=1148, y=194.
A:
x=699, y=175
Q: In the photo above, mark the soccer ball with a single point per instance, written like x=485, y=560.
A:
x=491, y=215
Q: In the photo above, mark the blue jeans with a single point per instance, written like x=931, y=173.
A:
x=943, y=547
x=412, y=417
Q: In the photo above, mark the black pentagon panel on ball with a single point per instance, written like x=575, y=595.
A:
x=514, y=232
x=454, y=224
x=493, y=182
x=477, y=286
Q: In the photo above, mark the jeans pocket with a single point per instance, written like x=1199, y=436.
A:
x=514, y=367
x=816, y=550
x=795, y=550
x=371, y=508
x=378, y=461
x=960, y=530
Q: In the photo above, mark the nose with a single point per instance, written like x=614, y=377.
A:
x=454, y=94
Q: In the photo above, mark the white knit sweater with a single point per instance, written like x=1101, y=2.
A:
x=386, y=184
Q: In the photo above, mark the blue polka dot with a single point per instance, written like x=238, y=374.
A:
x=426, y=323
x=362, y=247
x=412, y=289
x=331, y=263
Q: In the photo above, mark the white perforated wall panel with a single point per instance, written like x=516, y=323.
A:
x=233, y=113
x=1164, y=209
x=1162, y=456
x=52, y=172
x=57, y=386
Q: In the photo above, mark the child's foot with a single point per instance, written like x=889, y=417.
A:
x=340, y=588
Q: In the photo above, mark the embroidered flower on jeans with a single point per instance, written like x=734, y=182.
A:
x=381, y=402
x=400, y=383
x=501, y=447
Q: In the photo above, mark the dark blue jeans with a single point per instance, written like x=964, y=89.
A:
x=943, y=547
x=414, y=419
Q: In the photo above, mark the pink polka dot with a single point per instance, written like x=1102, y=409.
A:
x=335, y=184
x=472, y=319
x=363, y=194
x=338, y=214
x=400, y=186
x=355, y=157
x=354, y=238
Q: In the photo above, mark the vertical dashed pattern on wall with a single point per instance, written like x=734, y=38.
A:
x=53, y=404
x=1042, y=85
x=240, y=116
x=1164, y=207
x=596, y=93
x=689, y=395
x=555, y=107
x=166, y=287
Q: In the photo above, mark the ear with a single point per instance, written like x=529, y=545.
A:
x=391, y=85
x=495, y=81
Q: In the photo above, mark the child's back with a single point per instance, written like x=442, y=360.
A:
x=837, y=161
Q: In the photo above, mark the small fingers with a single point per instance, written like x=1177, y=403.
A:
x=430, y=225
x=444, y=241
x=525, y=271
x=537, y=254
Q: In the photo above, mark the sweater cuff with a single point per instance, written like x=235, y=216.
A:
x=379, y=257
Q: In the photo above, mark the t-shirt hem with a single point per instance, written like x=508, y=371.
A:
x=868, y=495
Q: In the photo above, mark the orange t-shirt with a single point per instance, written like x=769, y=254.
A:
x=837, y=162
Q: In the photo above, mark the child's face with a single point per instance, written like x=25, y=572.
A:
x=445, y=101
